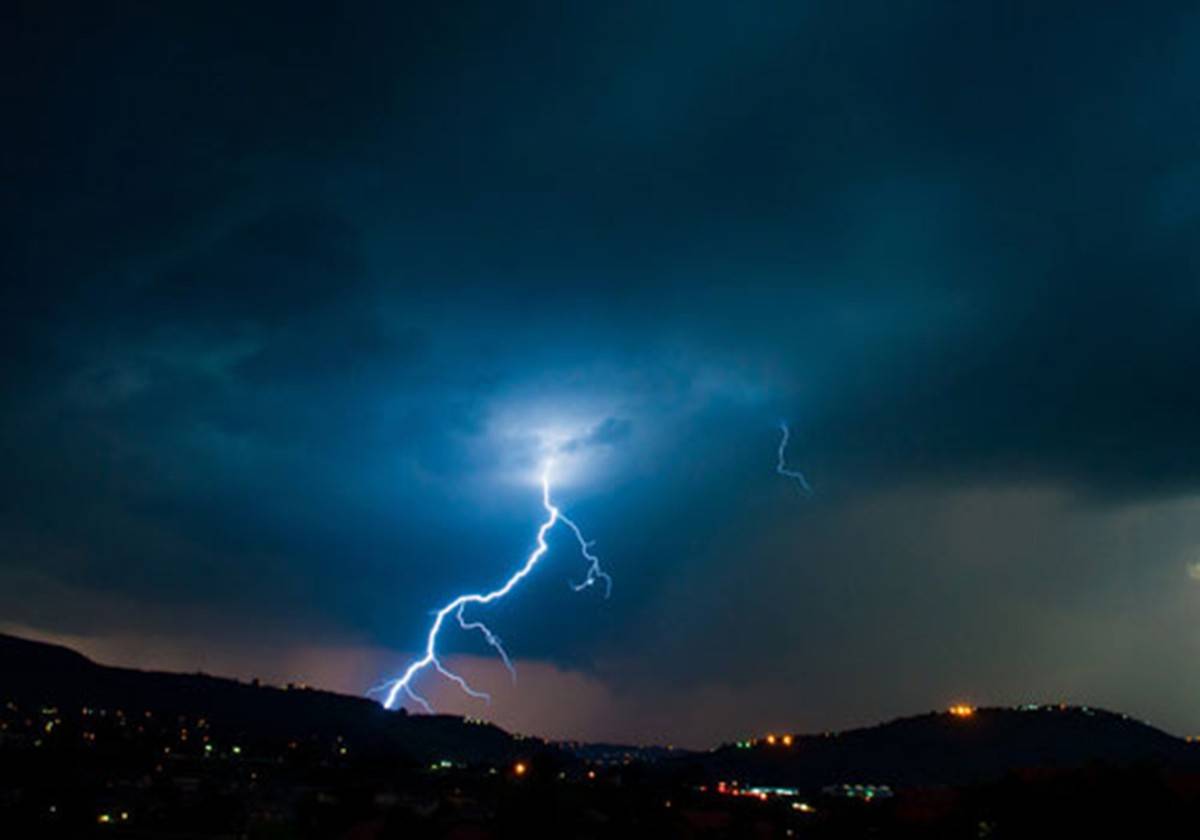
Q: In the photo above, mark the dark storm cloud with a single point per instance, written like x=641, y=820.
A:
x=297, y=297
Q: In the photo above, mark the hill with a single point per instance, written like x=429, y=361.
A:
x=34, y=675
x=978, y=745
x=944, y=748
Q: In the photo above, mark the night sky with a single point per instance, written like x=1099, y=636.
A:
x=296, y=301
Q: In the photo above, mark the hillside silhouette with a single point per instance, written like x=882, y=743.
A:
x=937, y=748
x=36, y=674
x=941, y=748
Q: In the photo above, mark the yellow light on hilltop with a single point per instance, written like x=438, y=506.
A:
x=787, y=740
x=771, y=740
x=962, y=710
x=520, y=769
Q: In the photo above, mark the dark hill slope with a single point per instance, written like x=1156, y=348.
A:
x=940, y=748
x=34, y=674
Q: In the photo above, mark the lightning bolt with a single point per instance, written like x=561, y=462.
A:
x=404, y=683
x=781, y=465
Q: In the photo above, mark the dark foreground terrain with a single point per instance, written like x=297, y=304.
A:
x=91, y=751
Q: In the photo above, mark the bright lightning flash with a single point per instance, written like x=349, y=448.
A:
x=781, y=465
x=404, y=684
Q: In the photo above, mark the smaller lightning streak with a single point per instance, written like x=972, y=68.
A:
x=430, y=660
x=594, y=572
x=781, y=465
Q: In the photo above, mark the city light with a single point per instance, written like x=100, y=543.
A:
x=962, y=710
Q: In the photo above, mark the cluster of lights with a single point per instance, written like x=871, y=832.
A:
x=771, y=740
x=109, y=819
x=863, y=792
x=961, y=710
x=1046, y=707
x=762, y=793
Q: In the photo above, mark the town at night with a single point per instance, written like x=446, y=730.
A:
x=708, y=419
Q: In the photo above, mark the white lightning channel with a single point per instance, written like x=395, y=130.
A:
x=403, y=684
x=781, y=465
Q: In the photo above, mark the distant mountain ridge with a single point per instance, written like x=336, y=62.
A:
x=34, y=674
x=930, y=749
x=943, y=748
